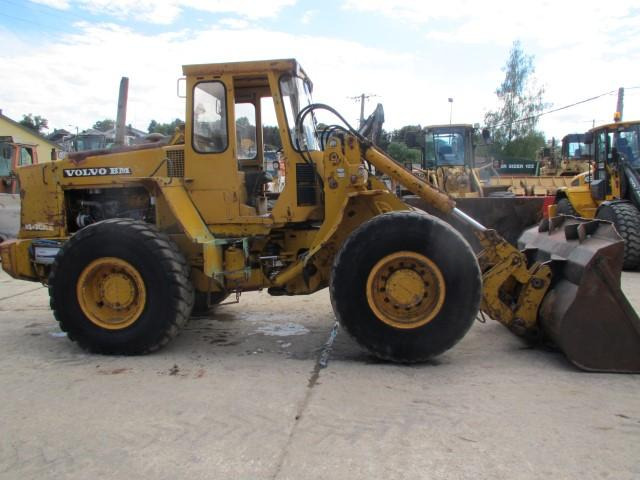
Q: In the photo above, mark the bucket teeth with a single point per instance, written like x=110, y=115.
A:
x=585, y=313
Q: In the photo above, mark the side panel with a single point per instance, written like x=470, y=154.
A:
x=42, y=202
x=582, y=201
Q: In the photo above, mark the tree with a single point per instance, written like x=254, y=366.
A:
x=521, y=101
x=406, y=134
x=271, y=137
x=403, y=154
x=384, y=139
x=104, y=125
x=37, y=123
x=164, y=128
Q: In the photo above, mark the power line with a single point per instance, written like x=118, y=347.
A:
x=533, y=117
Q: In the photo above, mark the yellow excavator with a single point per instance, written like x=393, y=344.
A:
x=128, y=239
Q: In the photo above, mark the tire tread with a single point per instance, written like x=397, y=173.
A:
x=169, y=256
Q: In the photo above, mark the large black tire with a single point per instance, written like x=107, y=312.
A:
x=626, y=218
x=203, y=305
x=385, y=235
x=564, y=207
x=159, y=264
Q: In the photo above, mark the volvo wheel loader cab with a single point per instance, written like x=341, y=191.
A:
x=611, y=191
x=128, y=240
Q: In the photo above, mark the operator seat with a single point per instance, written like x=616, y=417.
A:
x=443, y=152
x=254, y=182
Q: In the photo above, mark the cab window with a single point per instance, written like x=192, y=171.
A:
x=444, y=149
x=6, y=155
x=26, y=157
x=296, y=95
x=209, y=118
x=601, y=148
x=246, y=131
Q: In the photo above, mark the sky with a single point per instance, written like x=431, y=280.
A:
x=63, y=59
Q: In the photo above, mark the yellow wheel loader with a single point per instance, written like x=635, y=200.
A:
x=611, y=190
x=127, y=239
x=573, y=159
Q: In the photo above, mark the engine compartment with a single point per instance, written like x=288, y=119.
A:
x=87, y=206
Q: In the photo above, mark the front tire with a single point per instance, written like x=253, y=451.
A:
x=626, y=218
x=406, y=286
x=120, y=287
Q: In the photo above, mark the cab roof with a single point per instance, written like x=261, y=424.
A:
x=611, y=126
x=249, y=67
x=448, y=126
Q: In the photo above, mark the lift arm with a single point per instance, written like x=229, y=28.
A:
x=512, y=292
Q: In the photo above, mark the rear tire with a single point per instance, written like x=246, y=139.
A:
x=120, y=287
x=626, y=218
x=426, y=241
x=564, y=207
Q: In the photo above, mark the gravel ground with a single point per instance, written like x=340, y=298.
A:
x=253, y=392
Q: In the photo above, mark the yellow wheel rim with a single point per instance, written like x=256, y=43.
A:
x=405, y=290
x=111, y=293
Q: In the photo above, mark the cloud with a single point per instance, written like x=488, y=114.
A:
x=74, y=81
x=234, y=23
x=74, y=78
x=581, y=48
x=547, y=22
x=59, y=4
x=166, y=11
x=307, y=16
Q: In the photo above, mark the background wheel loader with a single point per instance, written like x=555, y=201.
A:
x=450, y=164
x=573, y=159
x=611, y=191
x=127, y=239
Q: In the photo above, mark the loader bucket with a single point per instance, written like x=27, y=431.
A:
x=585, y=313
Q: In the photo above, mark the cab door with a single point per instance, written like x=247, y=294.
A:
x=211, y=173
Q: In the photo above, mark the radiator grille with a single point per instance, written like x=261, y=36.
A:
x=175, y=163
x=305, y=184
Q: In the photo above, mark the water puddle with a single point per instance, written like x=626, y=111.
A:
x=282, y=330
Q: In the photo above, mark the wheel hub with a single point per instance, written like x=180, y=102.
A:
x=405, y=290
x=118, y=291
x=111, y=293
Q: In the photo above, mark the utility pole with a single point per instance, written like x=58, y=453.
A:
x=617, y=117
x=361, y=98
x=121, y=118
x=450, y=109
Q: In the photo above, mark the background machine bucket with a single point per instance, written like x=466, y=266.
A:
x=585, y=313
x=509, y=216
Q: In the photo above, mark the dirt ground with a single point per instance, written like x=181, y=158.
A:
x=272, y=389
